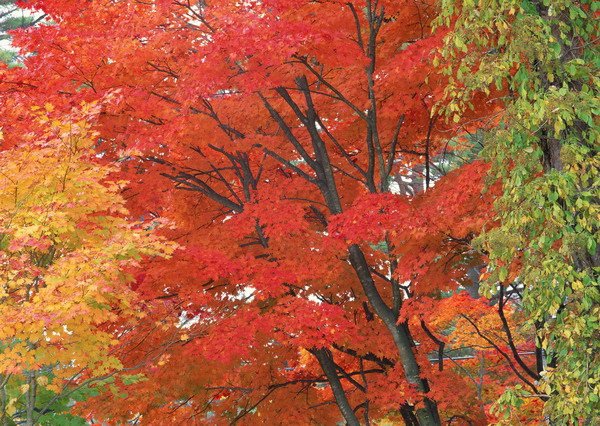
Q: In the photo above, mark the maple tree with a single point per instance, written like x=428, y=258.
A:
x=325, y=208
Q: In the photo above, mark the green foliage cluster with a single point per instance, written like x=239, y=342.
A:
x=541, y=57
x=53, y=408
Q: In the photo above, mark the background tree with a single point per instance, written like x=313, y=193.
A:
x=13, y=17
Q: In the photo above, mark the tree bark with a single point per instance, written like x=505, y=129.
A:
x=328, y=367
x=403, y=342
x=31, y=397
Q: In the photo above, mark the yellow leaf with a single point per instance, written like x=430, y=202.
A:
x=11, y=407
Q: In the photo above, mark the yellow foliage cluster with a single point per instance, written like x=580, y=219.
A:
x=65, y=244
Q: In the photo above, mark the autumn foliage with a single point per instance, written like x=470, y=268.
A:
x=250, y=212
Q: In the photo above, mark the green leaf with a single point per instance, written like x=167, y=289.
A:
x=591, y=246
x=502, y=274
